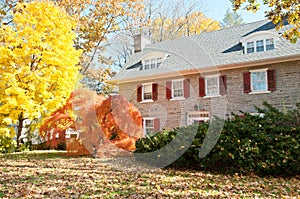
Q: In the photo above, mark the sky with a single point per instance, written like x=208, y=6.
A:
x=216, y=9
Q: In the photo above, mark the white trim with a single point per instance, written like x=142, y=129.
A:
x=259, y=92
x=176, y=80
x=177, y=98
x=259, y=70
x=266, y=79
x=144, y=123
x=172, y=91
x=143, y=90
x=151, y=56
x=259, y=36
x=255, y=46
x=146, y=101
x=198, y=117
x=209, y=69
x=211, y=96
x=218, y=85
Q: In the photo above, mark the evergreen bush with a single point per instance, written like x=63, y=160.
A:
x=265, y=144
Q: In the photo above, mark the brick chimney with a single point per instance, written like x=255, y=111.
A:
x=140, y=42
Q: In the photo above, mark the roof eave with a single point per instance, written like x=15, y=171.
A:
x=210, y=69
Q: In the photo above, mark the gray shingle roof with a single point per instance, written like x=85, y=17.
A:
x=209, y=49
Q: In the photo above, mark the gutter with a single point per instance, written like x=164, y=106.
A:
x=210, y=69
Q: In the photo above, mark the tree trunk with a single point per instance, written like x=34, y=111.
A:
x=20, y=126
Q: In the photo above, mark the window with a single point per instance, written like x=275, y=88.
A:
x=259, y=81
x=177, y=89
x=259, y=45
x=250, y=47
x=212, y=86
x=151, y=125
x=269, y=44
x=147, y=92
x=197, y=117
x=147, y=64
x=159, y=61
x=151, y=63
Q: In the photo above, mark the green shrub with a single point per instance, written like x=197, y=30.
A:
x=7, y=144
x=268, y=145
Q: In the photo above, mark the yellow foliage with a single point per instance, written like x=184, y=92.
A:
x=194, y=23
x=278, y=11
x=38, y=63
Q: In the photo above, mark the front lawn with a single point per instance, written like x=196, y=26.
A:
x=53, y=175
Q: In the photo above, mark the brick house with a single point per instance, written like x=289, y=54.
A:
x=190, y=79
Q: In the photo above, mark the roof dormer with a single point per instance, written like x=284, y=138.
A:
x=152, y=60
x=259, y=41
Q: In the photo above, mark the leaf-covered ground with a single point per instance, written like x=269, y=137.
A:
x=52, y=175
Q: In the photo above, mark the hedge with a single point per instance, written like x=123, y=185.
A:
x=264, y=145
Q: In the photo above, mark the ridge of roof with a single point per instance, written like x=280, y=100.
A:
x=209, y=49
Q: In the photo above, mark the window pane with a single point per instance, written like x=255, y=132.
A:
x=153, y=63
x=159, y=61
x=259, y=45
x=258, y=80
x=149, y=123
x=147, y=88
x=177, y=89
x=147, y=64
x=149, y=126
x=250, y=47
x=147, y=92
x=269, y=44
x=212, y=85
x=177, y=85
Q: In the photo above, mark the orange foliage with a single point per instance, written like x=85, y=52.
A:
x=99, y=121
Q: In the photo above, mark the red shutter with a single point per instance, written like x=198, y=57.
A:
x=247, y=82
x=186, y=88
x=156, y=124
x=271, y=75
x=222, y=84
x=201, y=87
x=154, y=91
x=139, y=93
x=169, y=90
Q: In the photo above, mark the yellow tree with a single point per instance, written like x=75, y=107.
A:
x=190, y=24
x=38, y=64
x=96, y=21
x=279, y=11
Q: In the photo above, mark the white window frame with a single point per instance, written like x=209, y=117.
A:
x=218, y=86
x=143, y=92
x=194, y=116
x=264, y=45
x=257, y=36
x=70, y=132
x=172, y=89
x=145, y=127
x=150, y=61
x=255, y=45
x=266, y=80
x=246, y=48
x=273, y=44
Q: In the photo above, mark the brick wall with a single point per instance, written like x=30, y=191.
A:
x=173, y=113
